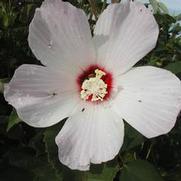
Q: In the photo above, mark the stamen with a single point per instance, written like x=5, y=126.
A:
x=99, y=73
x=94, y=87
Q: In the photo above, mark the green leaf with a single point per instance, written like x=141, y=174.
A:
x=155, y=5
x=132, y=138
x=104, y=172
x=2, y=82
x=74, y=175
x=51, y=149
x=178, y=17
x=163, y=8
x=36, y=143
x=101, y=172
x=174, y=67
x=139, y=170
x=43, y=171
x=13, y=120
x=1, y=86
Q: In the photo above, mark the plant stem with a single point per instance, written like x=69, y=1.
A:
x=93, y=8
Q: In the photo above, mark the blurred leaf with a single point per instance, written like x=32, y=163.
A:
x=74, y=175
x=139, y=170
x=104, y=172
x=21, y=157
x=7, y=15
x=36, y=143
x=174, y=67
x=178, y=17
x=43, y=171
x=155, y=5
x=132, y=138
x=163, y=8
x=13, y=120
x=176, y=175
x=159, y=7
x=1, y=86
x=2, y=82
x=51, y=148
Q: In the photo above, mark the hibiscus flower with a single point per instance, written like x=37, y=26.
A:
x=91, y=80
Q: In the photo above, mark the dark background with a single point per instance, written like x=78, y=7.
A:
x=30, y=154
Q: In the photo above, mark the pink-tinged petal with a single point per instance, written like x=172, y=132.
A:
x=149, y=100
x=42, y=97
x=94, y=135
x=60, y=37
x=124, y=34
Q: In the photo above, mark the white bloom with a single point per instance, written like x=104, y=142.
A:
x=91, y=80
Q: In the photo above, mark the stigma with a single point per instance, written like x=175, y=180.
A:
x=94, y=88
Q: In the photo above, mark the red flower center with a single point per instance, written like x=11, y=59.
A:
x=95, y=84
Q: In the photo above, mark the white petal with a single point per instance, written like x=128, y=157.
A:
x=92, y=136
x=149, y=100
x=131, y=32
x=41, y=96
x=59, y=36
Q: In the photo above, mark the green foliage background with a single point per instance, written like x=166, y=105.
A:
x=30, y=154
